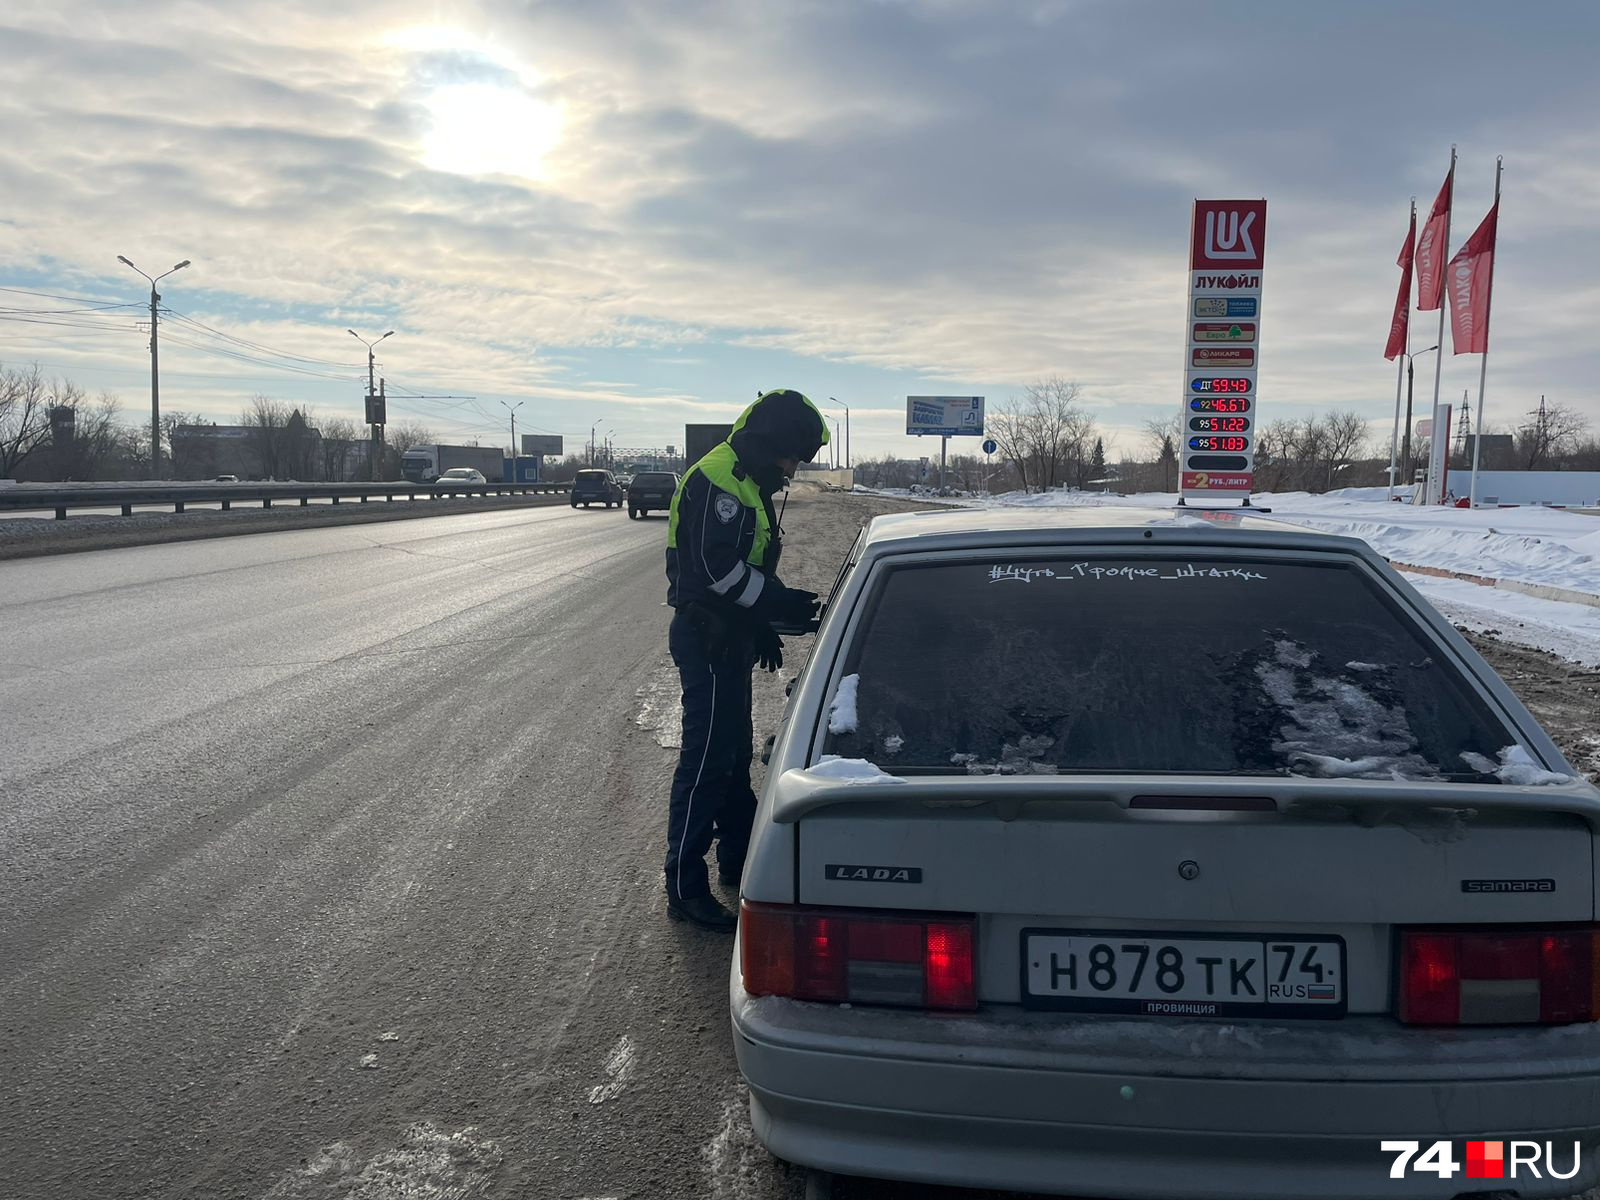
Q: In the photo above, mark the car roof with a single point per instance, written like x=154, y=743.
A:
x=975, y=528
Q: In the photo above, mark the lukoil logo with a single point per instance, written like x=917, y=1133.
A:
x=1484, y=1160
x=1228, y=235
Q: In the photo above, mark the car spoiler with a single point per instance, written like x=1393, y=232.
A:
x=1375, y=802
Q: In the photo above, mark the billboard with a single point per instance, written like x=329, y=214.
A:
x=944, y=416
x=540, y=444
x=1227, y=251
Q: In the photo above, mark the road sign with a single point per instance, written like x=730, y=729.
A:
x=990, y=445
x=944, y=416
x=542, y=443
x=1227, y=249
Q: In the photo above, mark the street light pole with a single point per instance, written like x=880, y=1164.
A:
x=372, y=390
x=846, y=408
x=155, y=373
x=512, y=409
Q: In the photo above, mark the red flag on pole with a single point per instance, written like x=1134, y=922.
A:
x=1402, y=303
x=1471, y=278
x=1431, y=249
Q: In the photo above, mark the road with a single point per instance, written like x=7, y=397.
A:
x=329, y=866
x=329, y=862
x=271, y=800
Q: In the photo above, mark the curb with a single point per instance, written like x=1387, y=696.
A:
x=1541, y=591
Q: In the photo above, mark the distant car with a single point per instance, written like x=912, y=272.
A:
x=461, y=475
x=226, y=479
x=1133, y=854
x=651, y=491
x=594, y=486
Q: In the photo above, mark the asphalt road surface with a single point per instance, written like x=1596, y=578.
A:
x=329, y=868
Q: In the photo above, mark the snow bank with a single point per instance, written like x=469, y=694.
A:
x=1529, y=545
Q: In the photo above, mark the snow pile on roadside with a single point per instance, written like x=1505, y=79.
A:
x=1530, y=544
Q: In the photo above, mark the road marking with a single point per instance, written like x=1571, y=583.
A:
x=619, y=1067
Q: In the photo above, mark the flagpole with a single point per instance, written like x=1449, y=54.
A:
x=1444, y=251
x=1400, y=372
x=1488, y=310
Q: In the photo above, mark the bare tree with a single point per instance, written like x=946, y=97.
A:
x=24, y=416
x=1552, y=432
x=265, y=420
x=406, y=434
x=1045, y=434
x=339, y=438
x=1344, y=438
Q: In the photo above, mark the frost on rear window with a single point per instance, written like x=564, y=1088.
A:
x=1148, y=664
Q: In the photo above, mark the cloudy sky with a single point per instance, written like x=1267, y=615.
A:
x=636, y=213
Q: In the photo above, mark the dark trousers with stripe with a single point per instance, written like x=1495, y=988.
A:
x=711, y=794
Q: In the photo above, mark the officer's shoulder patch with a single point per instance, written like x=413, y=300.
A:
x=727, y=508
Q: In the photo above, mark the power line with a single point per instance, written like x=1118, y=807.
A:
x=69, y=299
x=258, y=346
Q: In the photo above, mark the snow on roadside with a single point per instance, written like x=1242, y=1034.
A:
x=1569, y=630
x=1530, y=544
x=661, y=707
x=429, y=1164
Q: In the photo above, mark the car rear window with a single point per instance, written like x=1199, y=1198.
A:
x=652, y=479
x=591, y=476
x=1153, y=665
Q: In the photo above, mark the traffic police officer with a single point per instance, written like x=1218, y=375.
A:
x=723, y=544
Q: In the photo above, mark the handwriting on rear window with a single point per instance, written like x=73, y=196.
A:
x=1095, y=573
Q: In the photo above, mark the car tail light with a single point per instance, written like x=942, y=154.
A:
x=1499, y=976
x=857, y=956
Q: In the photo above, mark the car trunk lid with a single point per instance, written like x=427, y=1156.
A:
x=1339, y=861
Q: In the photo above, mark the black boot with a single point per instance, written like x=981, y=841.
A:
x=703, y=911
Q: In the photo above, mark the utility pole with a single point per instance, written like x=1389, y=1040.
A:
x=155, y=372
x=377, y=404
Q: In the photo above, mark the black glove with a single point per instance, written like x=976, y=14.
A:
x=796, y=608
x=769, y=649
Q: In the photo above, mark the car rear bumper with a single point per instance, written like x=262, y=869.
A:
x=1041, y=1103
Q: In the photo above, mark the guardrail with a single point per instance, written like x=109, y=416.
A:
x=61, y=499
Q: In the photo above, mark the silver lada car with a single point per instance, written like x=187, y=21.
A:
x=1163, y=854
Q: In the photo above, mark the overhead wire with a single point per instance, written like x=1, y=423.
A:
x=257, y=346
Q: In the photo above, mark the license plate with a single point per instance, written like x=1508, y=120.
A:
x=1177, y=975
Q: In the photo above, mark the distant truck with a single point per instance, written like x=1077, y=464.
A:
x=424, y=464
x=699, y=440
